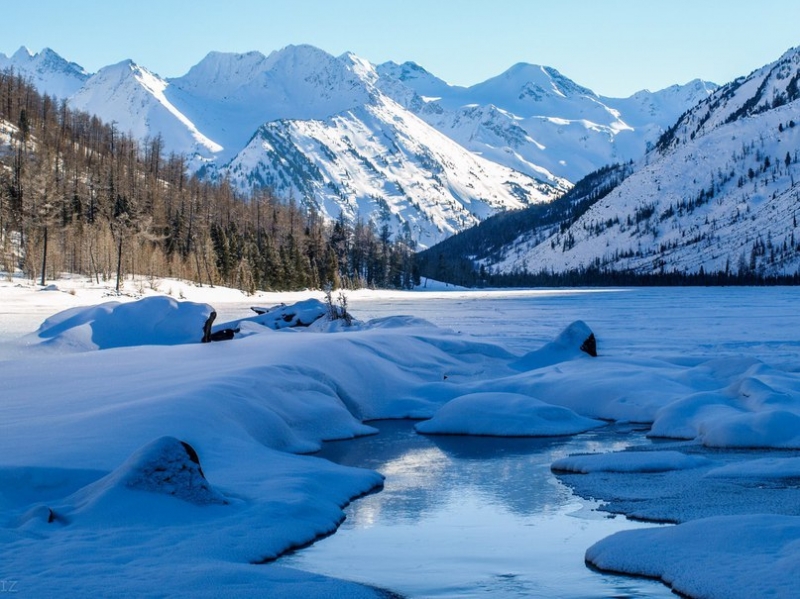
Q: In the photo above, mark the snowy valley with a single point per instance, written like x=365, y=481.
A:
x=189, y=439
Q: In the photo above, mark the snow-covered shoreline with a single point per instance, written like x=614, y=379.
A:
x=251, y=407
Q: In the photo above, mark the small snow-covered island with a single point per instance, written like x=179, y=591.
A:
x=154, y=446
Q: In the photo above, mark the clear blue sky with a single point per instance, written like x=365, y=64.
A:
x=614, y=47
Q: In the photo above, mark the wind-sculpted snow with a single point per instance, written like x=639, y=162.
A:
x=759, y=407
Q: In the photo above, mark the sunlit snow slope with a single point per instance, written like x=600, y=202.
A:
x=718, y=193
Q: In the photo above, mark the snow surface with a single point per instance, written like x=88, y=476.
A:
x=730, y=557
x=157, y=320
x=634, y=461
x=100, y=491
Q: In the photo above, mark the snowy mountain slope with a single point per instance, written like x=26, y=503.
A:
x=718, y=193
x=381, y=163
x=51, y=74
x=135, y=99
x=533, y=118
x=230, y=96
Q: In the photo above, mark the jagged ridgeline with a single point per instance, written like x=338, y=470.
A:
x=714, y=201
x=78, y=195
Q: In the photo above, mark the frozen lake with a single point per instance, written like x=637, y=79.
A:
x=696, y=322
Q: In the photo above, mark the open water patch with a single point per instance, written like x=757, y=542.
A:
x=472, y=517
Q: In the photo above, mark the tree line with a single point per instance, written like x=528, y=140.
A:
x=78, y=195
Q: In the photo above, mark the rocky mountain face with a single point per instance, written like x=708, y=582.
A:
x=392, y=144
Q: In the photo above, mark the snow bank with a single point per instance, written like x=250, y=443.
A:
x=760, y=469
x=629, y=461
x=755, y=407
x=156, y=320
x=575, y=341
x=504, y=415
x=714, y=558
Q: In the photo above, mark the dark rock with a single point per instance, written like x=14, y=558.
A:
x=590, y=346
x=171, y=467
x=223, y=335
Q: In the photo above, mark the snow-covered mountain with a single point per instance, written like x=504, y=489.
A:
x=316, y=128
x=718, y=192
x=135, y=100
x=393, y=144
x=534, y=119
x=380, y=160
x=51, y=74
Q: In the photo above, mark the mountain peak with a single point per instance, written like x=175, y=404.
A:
x=23, y=53
x=223, y=66
x=534, y=80
x=301, y=58
x=407, y=71
x=52, y=74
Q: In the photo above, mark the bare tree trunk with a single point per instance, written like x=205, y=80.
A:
x=44, y=256
x=197, y=263
x=94, y=265
x=119, y=260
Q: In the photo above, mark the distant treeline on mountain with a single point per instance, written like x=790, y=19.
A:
x=466, y=259
x=77, y=195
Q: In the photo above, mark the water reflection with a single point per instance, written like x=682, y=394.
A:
x=470, y=517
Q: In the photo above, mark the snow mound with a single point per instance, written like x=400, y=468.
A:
x=751, y=412
x=157, y=320
x=166, y=466
x=730, y=557
x=575, y=341
x=629, y=461
x=504, y=415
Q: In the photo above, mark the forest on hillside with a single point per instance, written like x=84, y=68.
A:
x=77, y=195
